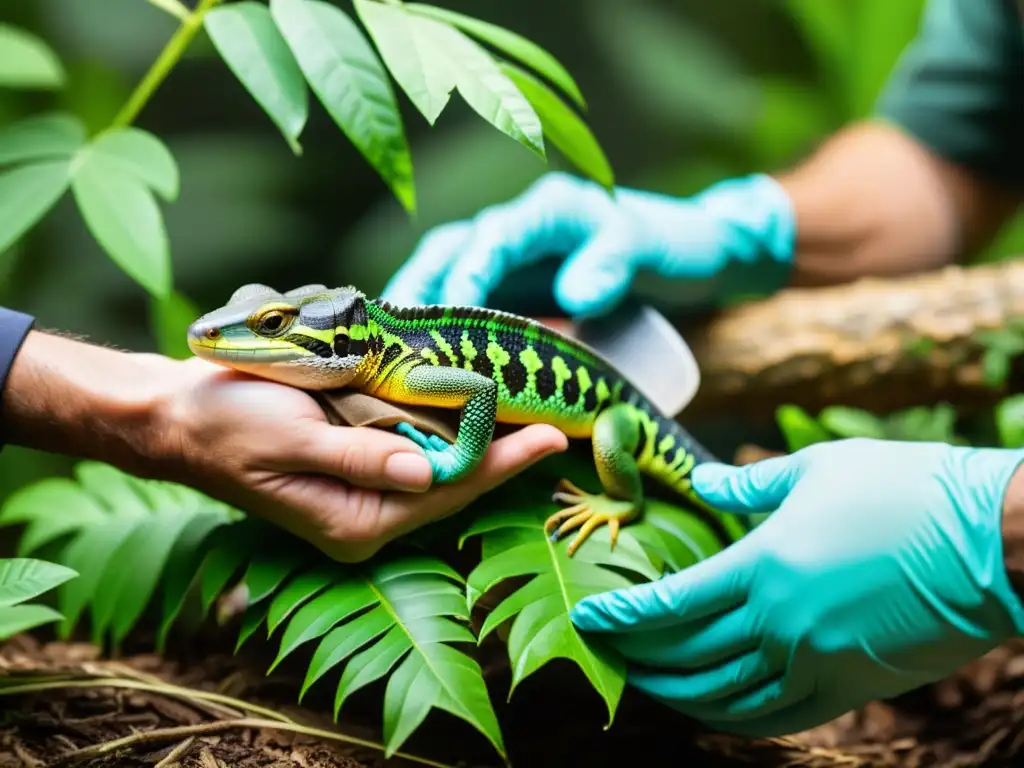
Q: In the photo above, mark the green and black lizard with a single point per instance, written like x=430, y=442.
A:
x=491, y=365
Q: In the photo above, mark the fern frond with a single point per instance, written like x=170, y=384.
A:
x=22, y=579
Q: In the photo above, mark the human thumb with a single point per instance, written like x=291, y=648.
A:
x=751, y=489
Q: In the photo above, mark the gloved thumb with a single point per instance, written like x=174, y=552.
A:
x=750, y=489
x=597, y=276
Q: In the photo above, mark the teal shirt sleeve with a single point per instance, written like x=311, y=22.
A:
x=959, y=86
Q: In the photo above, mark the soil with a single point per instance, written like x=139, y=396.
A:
x=973, y=719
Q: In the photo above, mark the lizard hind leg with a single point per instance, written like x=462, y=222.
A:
x=615, y=439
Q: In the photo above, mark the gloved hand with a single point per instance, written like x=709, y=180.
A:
x=880, y=570
x=746, y=224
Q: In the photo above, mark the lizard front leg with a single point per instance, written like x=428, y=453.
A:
x=615, y=439
x=478, y=397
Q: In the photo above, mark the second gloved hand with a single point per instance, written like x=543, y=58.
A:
x=880, y=570
x=737, y=236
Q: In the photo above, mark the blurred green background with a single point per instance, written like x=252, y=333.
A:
x=682, y=93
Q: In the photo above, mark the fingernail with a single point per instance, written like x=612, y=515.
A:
x=408, y=471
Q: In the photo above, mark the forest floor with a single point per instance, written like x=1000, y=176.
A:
x=974, y=719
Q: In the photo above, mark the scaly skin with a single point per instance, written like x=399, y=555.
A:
x=493, y=366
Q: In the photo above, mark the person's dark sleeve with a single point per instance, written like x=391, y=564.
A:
x=14, y=327
x=959, y=87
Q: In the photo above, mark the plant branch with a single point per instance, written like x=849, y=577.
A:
x=165, y=62
x=173, y=7
x=184, y=731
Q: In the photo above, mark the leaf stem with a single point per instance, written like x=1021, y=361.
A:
x=173, y=7
x=165, y=62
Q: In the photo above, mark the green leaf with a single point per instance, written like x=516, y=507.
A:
x=413, y=57
x=826, y=26
x=26, y=195
x=142, y=155
x=349, y=80
x=121, y=213
x=513, y=44
x=383, y=611
x=565, y=129
x=799, y=428
x=41, y=137
x=923, y=423
x=247, y=39
x=296, y=592
x=851, y=422
x=486, y=89
x=1009, y=415
x=541, y=628
x=995, y=367
x=21, y=618
x=22, y=579
x=252, y=620
x=270, y=569
x=26, y=61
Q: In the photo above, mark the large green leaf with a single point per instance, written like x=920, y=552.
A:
x=247, y=39
x=27, y=193
x=799, y=428
x=122, y=214
x=485, y=88
x=509, y=42
x=26, y=61
x=851, y=422
x=349, y=80
x=541, y=629
x=411, y=54
x=41, y=137
x=170, y=317
x=564, y=127
x=23, y=578
x=140, y=154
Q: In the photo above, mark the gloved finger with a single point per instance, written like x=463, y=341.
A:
x=418, y=280
x=551, y=218
x=761, y=700
x=753, y=488
x=693, y=645
x=596, y=277
x=803, y=715
x=691, y=693
x=711, y=586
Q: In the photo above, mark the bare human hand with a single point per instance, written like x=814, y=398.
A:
x=262, y=447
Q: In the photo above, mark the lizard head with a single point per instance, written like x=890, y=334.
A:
x=311, y=337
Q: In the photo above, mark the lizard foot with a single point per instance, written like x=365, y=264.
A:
x=587, y=511
x=444, y=458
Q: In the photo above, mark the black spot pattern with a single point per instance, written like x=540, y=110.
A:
x=481, y=363
x=590, y=398
x=571, y=391
x=341, y=345
x=453, y=335
x=545, y=382
x=357, y=346
x=514, y=376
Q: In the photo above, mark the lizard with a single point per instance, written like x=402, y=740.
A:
x=491, y=365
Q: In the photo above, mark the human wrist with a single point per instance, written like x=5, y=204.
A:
x=73, y=398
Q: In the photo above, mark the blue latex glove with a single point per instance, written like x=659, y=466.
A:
x=744, y=223
x=880, y=570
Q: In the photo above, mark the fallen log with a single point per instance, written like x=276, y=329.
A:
x=877, y=343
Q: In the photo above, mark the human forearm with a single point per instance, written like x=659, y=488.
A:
x=69, y=397
x=871, y=201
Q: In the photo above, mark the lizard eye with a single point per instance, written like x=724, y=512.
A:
x=273, y=322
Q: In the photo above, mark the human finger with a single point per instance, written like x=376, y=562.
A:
x=708, y=587
x=505, y=458
x=687, y=692
x=752, y=488
x=363, y=456
x=597, y=276
x=691, y=645
x=552, y=217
